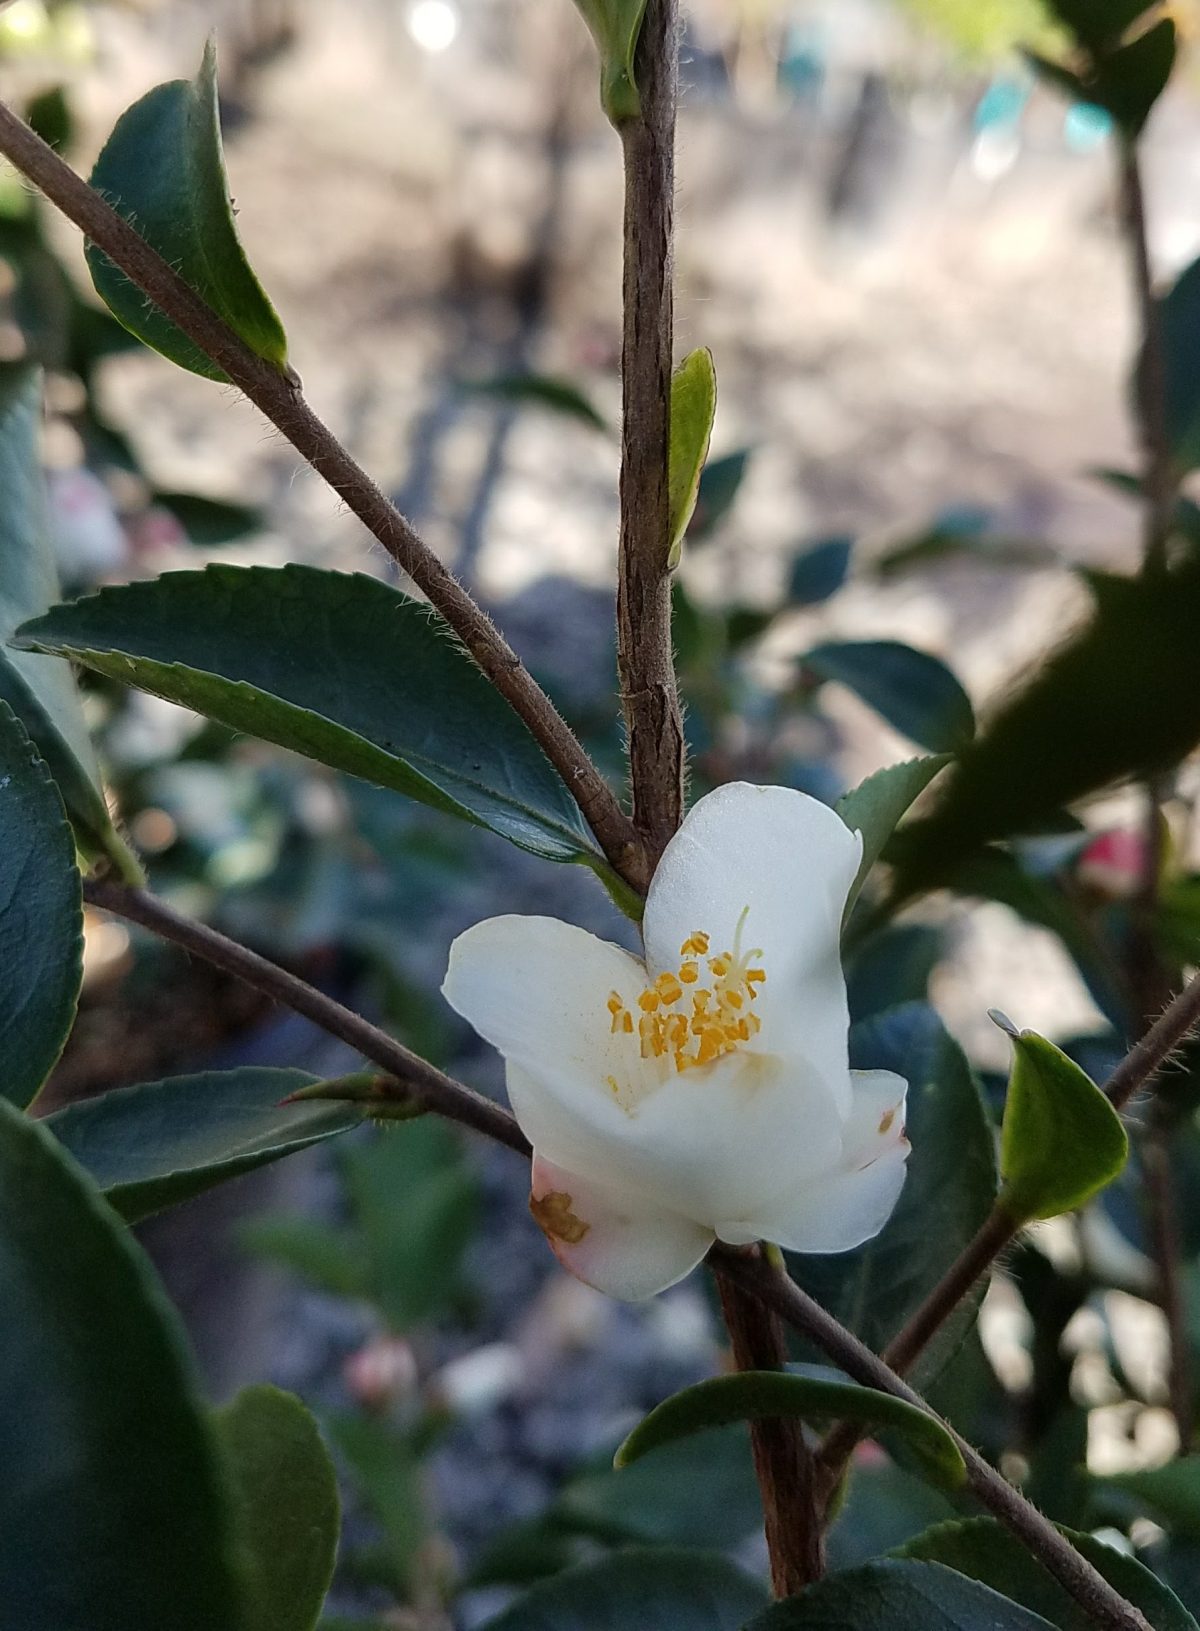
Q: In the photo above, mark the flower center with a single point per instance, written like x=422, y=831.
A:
x=700, y=1012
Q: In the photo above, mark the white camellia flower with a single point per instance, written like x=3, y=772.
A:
x=704, y=1093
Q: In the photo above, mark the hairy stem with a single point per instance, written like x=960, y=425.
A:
x=279, y=398
x=649, y=693
x=1106, y=1607
x=418, y=1079
x=782, y=1459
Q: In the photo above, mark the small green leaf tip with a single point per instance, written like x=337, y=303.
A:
x=1061, y=1140
x=615, y=26
x=693, y=409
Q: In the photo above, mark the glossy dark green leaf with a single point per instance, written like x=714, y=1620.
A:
x=898, y=1595
x=1119, y=699
x=339, y=667
x=285, y=1506
x=210, y=521
x=760, y=1395
x=615, y=26
x=947, y=1193
x=916, y=693
x=1061, y=1141
x=693, y=409
x=882, y=1506
x=819, y=572
x=699, y=1492
x=163, y=168
x=891, y=966
x=1171, y=1492
x=41, y=690
x=159, y=1143
x=41, y=918
x=111, y=1505
x=876, y=806
x=720, y=483
x=543, y=390
x=985, y=1551
x=652, y=1590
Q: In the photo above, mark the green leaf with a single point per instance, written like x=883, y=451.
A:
x=1128, y=83
x=1119, y=699
x=1098, y=23
x=898, y=1595
x=210, y=521
x=285, y=1504
x=159, y=1143
x=914, y=692
x=947, y=1193
x=1179, y=320
x=41, y=690
x=1171, y=1492
x=819, y=572
x=41, y=918
x=163, y=168
x=758, y=1395
x=615, y=26
x=339, y=667
x=331, y=1258
x=875, y=807
x=654, y=1590
x=985, y=1551
x=1061, y=1141
x=416, y=1203
x=111, y=1509
x=698, y=1492
x=720, y=483
x=693, y=409
x=386, y=1464
x=545, y=390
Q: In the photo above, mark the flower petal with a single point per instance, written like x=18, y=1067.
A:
x=850, y=1204
x=610, y=1240
x=791, y=861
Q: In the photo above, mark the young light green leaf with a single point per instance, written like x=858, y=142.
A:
x=915, y=692
x=1061, y=1140
x=757, y=1395
x=341, y=668
x=41, y=690
x=41, y=918
x=285, y=1506
x=111, y=1506
x=159, y=1143
x=163, y=168
x=875, y=807
x=652, y=1589
x=898, y=1595
x=985, y=1551
x=693, y=409
x=615, y=26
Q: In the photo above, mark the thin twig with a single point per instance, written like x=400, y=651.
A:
x=420, y=1080
x=1148, y=1055
x=995, y=1233
x=1077, y=1576
x=1162, y=1218
x=649, y=693
x=782, y=1459
x=280, y=399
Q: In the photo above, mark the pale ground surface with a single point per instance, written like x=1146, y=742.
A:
x=958, y=340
